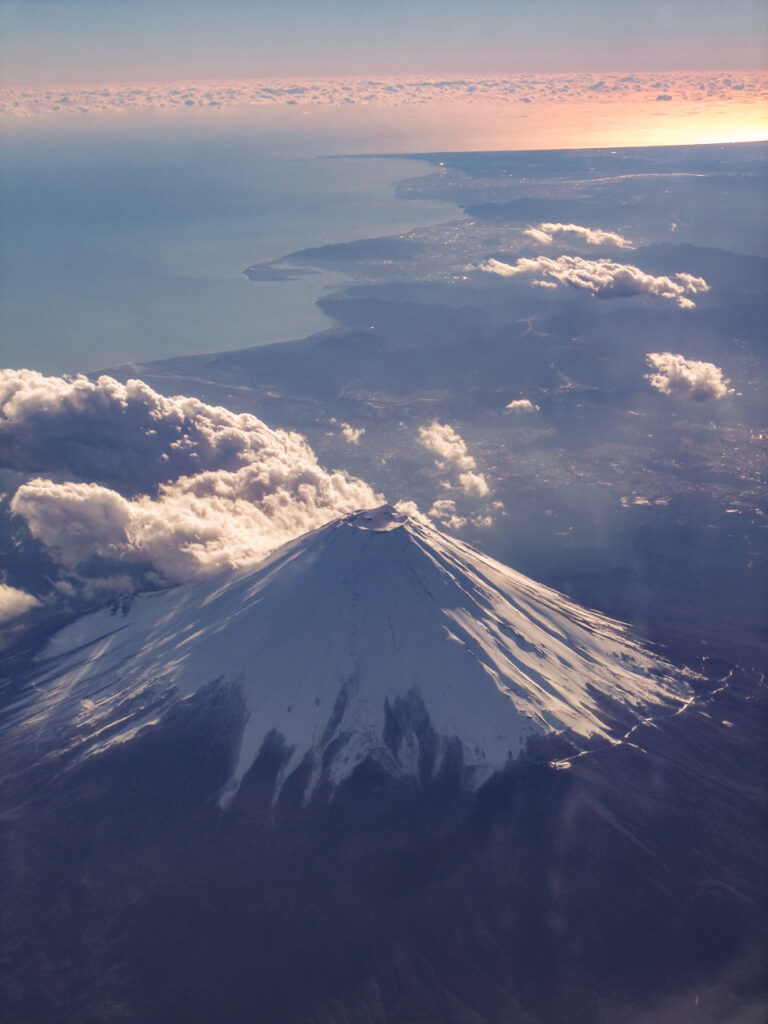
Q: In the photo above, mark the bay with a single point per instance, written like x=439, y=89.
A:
x=125, y=240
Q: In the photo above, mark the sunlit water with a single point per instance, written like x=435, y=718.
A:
x=125, y=239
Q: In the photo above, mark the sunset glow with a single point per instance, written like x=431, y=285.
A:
x=482, y=113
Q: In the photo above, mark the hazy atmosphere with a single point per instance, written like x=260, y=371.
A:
x=382, y=512
x=50, y=42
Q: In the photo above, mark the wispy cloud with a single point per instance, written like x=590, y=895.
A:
x=444, y=511
x=686, y=378
x=602, y=278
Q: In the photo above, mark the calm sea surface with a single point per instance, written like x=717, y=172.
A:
x=127, y=241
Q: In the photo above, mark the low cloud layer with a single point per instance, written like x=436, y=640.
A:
x=688, y=87
x=686, y=378
x=172, y=483
x=545, y=234
x=602, y=278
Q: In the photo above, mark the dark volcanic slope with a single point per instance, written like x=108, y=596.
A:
x=629, y=887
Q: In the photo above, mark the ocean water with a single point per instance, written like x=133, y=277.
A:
x=125, y=239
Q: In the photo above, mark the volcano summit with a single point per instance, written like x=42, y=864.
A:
x=373, y=639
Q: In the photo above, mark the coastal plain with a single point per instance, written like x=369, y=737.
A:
x=646, y=503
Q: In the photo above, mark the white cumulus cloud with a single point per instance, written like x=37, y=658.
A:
x=14, y=602
x=474, y=484
x=452, y=454
x=602, y=278
x=522, y=405
x=172, y=483
x=352, y=434
x=126, y=435
x=686, y=378
x=447, y=444
x=545, y=234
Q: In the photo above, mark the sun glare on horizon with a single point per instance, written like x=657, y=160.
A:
x=427, y=114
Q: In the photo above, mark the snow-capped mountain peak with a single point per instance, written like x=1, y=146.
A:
x=374, y=637
x=378, y=520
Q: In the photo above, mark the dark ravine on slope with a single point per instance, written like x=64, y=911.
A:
x=625, y=887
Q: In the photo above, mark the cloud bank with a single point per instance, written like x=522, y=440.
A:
x=686, y=378
x=602, y=278
x=174, y=484
x=545, y=234
x=690, y=87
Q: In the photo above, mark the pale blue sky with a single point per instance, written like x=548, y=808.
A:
x=58, y=41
